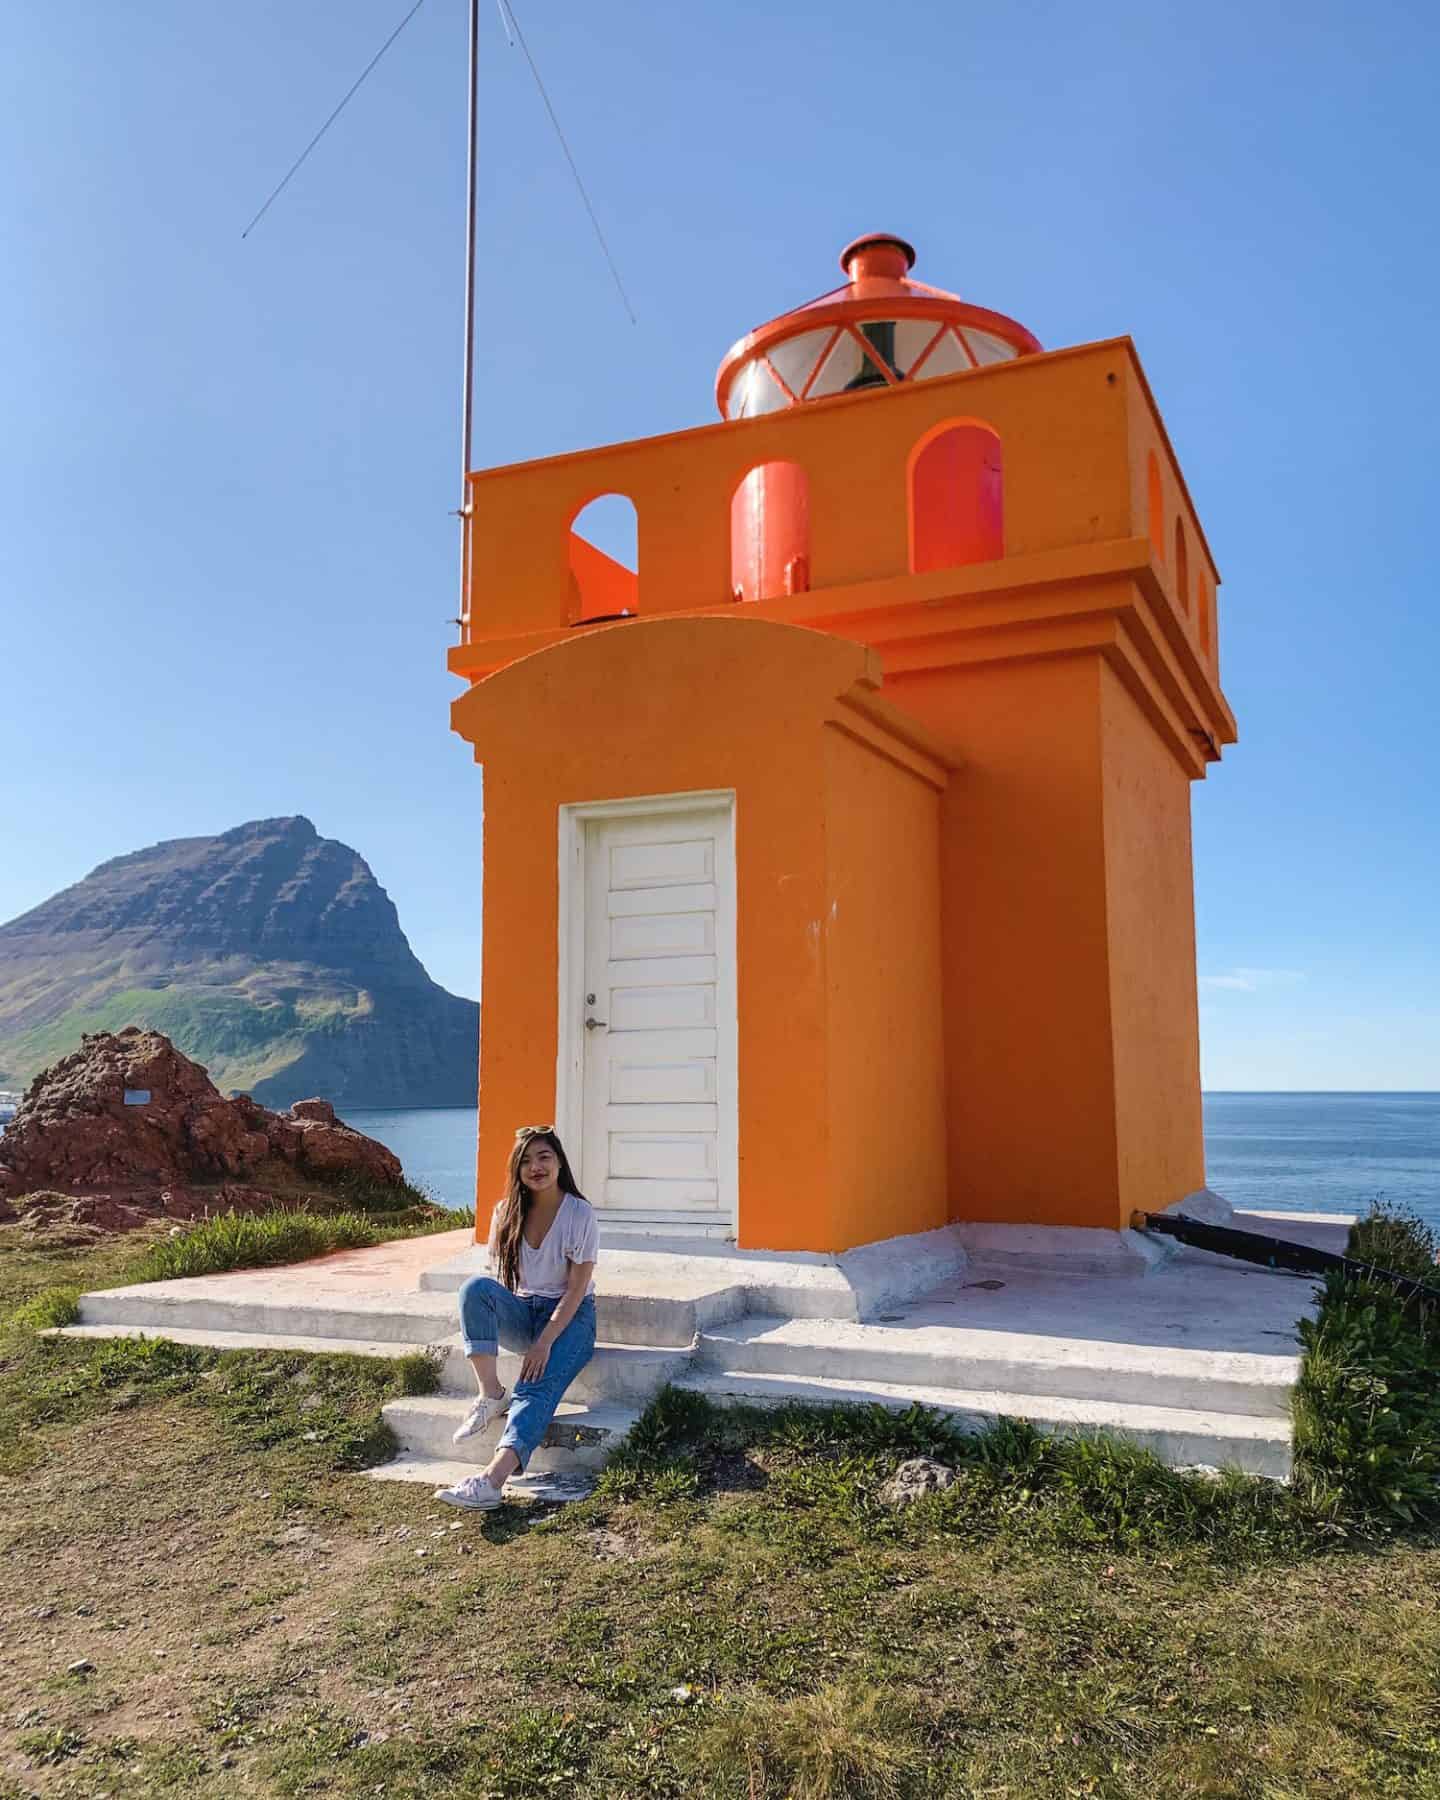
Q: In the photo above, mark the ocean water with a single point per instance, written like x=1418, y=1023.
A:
x=1325, y=1152
x=1274, y=1152
x=436, y=1146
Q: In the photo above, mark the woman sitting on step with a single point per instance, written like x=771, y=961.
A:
x=544, y=1239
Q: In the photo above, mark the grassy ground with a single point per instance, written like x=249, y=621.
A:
x=200, y=1597
x=309, y=1219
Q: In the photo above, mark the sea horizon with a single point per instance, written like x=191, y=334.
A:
x=1329, y=1150
x=1333, y=1150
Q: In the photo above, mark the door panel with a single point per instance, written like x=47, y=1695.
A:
x=636, y=1118
x=668, y=1008
x=652, y=1083
x=650, y=865
x=701, y=897
x=663, y=934
x=662, y=1196
x=661, y=971
x=669, y=1155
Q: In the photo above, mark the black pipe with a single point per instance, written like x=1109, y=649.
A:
x=1280, y=1253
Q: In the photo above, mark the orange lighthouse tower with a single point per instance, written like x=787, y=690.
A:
x=837, y=857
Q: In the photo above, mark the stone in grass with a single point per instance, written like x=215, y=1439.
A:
x=914, y=1479
x=552, y=1488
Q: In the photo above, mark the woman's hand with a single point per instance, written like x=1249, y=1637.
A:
x=536, y=1357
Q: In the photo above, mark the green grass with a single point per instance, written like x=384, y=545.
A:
x=264, y=1240
x=259, y=1399
x=48, y=1310
x=1015, y=1484
x=1396, y=1239
x=252, y=1241
x=732, y=1614
x=1367, y=1407
x=232, y=1241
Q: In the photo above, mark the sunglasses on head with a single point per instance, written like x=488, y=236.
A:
x=535, y=1131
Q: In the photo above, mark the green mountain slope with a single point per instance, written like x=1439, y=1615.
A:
x=270, y=954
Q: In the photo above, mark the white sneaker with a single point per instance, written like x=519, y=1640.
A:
x=473, y=1492
x=480, y=1415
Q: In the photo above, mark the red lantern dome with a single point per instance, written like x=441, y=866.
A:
x=878, y=330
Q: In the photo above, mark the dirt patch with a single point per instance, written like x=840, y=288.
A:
x=615, y=1546
x=736, y=1472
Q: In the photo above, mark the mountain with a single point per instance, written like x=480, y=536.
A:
x=269, y=954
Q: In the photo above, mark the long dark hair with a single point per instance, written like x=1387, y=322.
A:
x=515, y=1207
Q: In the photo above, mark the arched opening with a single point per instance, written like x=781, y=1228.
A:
x=1182, y=567
x=1156, y=504
x=770, y=533
x=957, y=497
x=1205, y=606
x=605, y=559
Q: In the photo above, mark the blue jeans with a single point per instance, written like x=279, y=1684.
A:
x=490, y=1315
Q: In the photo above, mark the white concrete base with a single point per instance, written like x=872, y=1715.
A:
x=1060, y=1249
x=1179, y=1436
x=1197, y=1360
x=721, y=1282
x=1204, y=1205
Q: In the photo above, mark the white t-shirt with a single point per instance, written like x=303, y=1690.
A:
x=574, y=1237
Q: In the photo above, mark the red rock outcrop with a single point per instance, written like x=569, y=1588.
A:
x=84, y=1128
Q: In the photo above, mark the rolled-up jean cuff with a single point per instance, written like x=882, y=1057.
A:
x=481, y=1347
x=510, y=1441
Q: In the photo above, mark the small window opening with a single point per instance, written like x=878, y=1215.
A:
x=605, y=560
x=1205, y=603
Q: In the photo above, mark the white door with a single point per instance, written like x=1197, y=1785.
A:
x=658, y=1030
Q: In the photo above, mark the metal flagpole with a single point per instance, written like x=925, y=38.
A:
x=467, y=399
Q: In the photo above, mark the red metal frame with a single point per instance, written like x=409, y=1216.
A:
x=851, y=312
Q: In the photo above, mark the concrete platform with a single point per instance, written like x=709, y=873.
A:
x=707, y=1281
x=1195, y=1356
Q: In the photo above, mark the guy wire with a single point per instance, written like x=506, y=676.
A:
x=354, y=89
x=507, y=8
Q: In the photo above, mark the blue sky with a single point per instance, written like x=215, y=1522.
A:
x=226, y=560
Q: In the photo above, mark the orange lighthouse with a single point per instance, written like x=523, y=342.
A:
x=837, y=857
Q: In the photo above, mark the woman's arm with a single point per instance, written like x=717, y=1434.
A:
x=492, y=1243
x=576, y=1285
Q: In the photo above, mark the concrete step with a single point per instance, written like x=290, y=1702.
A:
x=671, y=1288
x=1179, y=1436
x=620, y=1373
x=247, y=1340
x=580, y=1436
x=163, y=1306
x=424, y=1471
x=642, y=1230
x=658, y=1320
x=950, y=1356
x=623, y=1374
x=433, y=1472
x=424, y=1316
